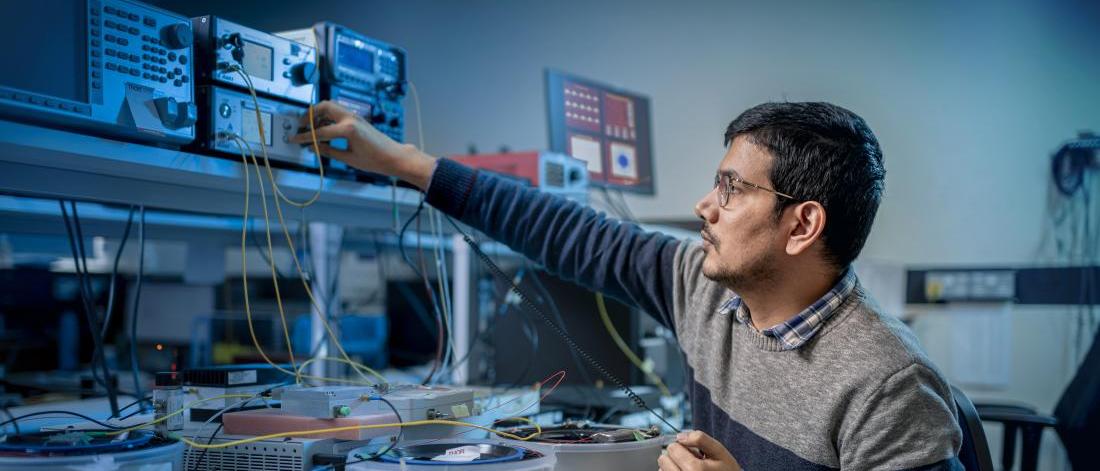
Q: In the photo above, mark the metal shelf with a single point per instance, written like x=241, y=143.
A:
x=50, y=163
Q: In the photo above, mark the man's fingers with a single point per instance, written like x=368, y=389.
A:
x=708, y=445
x=325, y=133
x=682, y=455
x=666, y=464
x=330, y=110
x=329, y=151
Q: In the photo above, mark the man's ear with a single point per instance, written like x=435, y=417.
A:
x=805, y=223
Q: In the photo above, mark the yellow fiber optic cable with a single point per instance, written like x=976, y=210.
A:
x=263, y=146
x=244, y=262
x=358, y=367
x=300, y=433
x=244, y=269
x=626, y=350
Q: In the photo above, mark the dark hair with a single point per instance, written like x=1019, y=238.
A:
x=822, y=153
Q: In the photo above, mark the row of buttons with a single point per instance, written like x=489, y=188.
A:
x=122, y=55
x=47, y=102
x=122, y=69
x=117, y=40
x=109, y=24
x=148, y=20
x=151, y=40
x=97, y=83
x=155, y=60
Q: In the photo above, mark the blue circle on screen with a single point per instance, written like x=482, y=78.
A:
x=623, y=161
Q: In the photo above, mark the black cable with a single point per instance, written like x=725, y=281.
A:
x=14, y=422
x=202, y=454
x=135, y=412
x=393, y=444
x=532, y=332
x=98, y=353
x=85, y=277
x=549, y=300
x=528, y=330
x=62, y=412
x=132, y=404
x=137, y=301
x=564, y=336
x=424, y=276
x=114, y=273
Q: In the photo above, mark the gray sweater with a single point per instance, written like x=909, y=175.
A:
x=859, y=395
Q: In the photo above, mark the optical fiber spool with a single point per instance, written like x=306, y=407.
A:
x=586, y=447
x=138, y=451
x=496, y=455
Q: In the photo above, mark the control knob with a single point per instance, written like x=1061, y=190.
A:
x=303, y=73
x=176, y=36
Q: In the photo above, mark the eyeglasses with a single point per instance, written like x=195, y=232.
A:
x=723, y=182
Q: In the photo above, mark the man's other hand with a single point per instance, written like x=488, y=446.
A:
x=697, y=451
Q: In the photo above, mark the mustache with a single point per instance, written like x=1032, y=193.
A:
x=705, y=229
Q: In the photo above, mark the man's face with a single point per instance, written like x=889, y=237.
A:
x=741, y=240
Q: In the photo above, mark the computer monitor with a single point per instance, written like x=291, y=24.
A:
x=518, y=360
x=607, y=127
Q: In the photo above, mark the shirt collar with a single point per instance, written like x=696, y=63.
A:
x=800, y=328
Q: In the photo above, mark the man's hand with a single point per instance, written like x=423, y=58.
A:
x=368, y=149
x=697, y=451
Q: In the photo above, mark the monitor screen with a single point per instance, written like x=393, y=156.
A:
x=604, y=126
x=519, y=359
x=257, y=60
x=351, y=54
x=250, y=127
x=45, y=48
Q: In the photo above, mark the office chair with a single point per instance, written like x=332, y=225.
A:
x=974, y=454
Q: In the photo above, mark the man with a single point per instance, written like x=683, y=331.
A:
x=794, y=367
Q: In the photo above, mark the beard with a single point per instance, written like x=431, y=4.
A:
x=756, y=270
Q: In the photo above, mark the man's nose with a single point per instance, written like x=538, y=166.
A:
x=706, y=208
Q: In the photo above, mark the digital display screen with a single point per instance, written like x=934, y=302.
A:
x=257, y=60
x=350, y=56
x=45, y=48
x=604, y=126
x=249, y=129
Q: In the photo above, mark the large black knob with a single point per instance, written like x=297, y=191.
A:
x=176, y=36
x=303, y=73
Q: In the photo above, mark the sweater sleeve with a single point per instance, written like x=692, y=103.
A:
x=908, y=423
x=570, y=240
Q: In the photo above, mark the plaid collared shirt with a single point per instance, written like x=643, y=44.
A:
x=797, y=330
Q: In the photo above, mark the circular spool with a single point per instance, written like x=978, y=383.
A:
x=139, y=452
x=595, y=456
x=502, y=456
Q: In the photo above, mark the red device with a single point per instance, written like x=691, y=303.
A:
x=549, y=171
